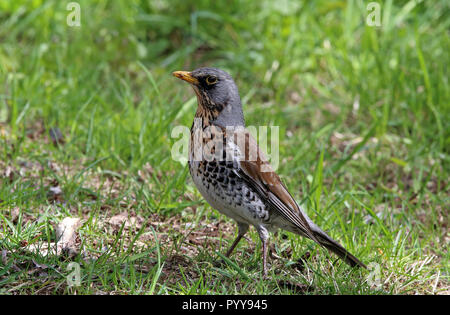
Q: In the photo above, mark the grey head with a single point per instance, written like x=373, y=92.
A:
x=217, y=94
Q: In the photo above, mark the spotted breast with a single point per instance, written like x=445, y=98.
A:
x=216, y=178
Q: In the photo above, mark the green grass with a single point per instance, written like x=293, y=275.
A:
x=363, y=114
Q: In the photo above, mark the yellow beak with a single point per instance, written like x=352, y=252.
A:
x=186, y=76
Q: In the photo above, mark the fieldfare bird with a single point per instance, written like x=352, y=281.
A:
x=234, y=175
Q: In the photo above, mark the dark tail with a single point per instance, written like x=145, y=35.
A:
x=336, y=248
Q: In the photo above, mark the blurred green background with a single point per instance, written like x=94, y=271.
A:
x=374, y=101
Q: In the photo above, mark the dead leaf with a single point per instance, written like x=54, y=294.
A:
x=124, y=218
x=55, y=194
x=66, y=234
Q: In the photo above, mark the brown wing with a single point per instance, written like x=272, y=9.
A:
x=257, y=172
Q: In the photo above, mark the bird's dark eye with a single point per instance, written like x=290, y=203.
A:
x=211, y=80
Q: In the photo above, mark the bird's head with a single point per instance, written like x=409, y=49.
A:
x=217, y=94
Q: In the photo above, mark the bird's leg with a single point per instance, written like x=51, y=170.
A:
x=236, y=241
x=264, y=236
x=264, y=248
x=242, y=229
